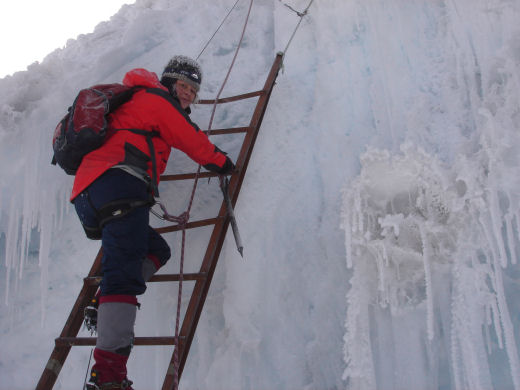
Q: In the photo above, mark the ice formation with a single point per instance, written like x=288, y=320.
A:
x=410, y=107
x=409, y=221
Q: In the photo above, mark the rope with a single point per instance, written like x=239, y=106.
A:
x=230, y=67
x=183, y=218
x=301, y=15
x=216, y=31
x=88, y=367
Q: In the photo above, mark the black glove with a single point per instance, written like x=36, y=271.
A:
x=227, y=168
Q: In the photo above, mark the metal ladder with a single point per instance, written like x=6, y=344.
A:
x=202, y=279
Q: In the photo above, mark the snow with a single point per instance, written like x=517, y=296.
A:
x=380, y=212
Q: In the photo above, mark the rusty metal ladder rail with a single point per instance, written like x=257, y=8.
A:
x=68, y=336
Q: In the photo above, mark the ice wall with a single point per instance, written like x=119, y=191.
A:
x=432, y=228
x=428, y=274
x=410, y=107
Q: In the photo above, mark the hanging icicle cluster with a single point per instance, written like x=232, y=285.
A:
x=423, y=238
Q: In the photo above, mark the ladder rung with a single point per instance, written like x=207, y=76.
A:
x=186, y=176
x=232, y=98
x=231, y=130
x=95, y=280
x=86, y=341
x=189, y=225
x=175, y=277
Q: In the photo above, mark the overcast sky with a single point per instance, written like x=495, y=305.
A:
x=31, y=29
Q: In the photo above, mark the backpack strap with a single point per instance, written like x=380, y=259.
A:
x=149, y=135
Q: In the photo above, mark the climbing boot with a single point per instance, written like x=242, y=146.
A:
x=90, y=315
x=94, y=383
x=109, y=372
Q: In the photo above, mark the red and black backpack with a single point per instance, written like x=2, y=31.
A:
x=85, y=126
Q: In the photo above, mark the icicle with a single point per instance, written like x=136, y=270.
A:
x=496, y=322
x=357, y=347
x=428, y=280
x=510, y=238
x=496, y=221
x=45, y=244
x=489, y=237
x=471, y=318
x=517, y=218
x=11, y=245
x=509, y=336
x=347, y=217
x=489, y=321
x=374, y=250
x=359, y=213
x=455, y=328
x=385, y=256
x=24, y=244
x=455, y=357
x=492, y=302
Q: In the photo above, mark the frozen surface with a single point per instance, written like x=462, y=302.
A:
x=380, y=211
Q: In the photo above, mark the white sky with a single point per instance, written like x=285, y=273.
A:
x=31, y=29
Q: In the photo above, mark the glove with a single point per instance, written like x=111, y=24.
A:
x=227, y=168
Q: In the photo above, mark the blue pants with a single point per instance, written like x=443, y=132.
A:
x=127, y=240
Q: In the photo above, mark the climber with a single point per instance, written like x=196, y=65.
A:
x=113, y=192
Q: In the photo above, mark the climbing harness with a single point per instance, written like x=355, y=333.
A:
x=110, y=211
x=180, y=220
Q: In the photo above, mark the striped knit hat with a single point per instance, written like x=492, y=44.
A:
x=182, y=68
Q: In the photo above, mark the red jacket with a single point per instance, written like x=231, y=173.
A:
x=150, y=109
